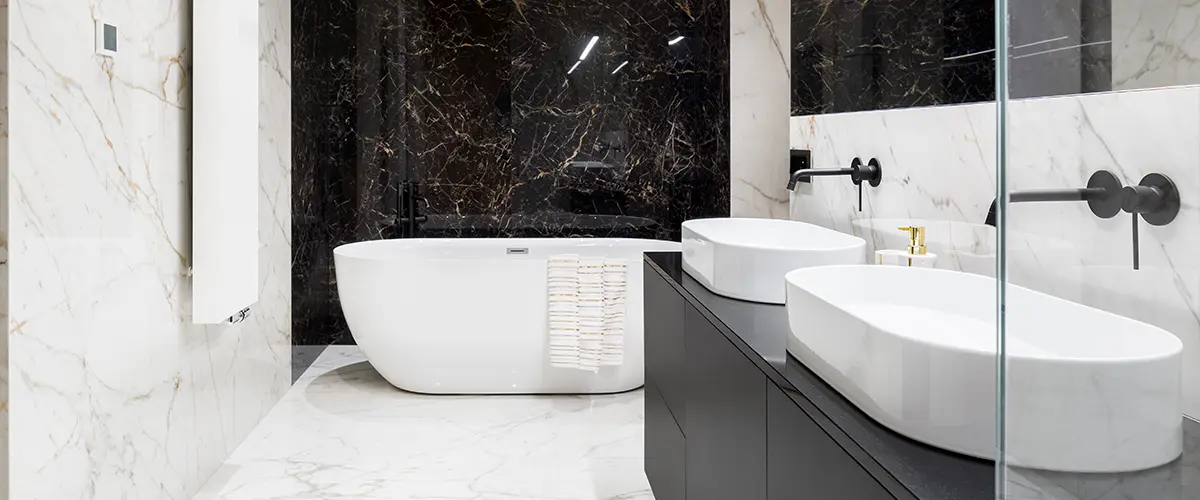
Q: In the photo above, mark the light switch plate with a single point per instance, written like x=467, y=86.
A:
x=106, y=39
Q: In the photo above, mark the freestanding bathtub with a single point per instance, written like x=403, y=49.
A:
x=468, y=316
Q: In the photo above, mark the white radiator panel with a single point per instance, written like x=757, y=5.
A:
x=224, y=158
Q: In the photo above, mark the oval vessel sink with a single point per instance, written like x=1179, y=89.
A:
x=747, y=258
x=1087, y=390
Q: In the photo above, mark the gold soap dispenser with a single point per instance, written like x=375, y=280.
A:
x=916, y=255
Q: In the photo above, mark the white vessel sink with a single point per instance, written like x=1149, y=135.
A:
x=1087, y=390
x=747, y=258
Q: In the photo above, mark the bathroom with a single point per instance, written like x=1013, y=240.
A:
x=639, y=249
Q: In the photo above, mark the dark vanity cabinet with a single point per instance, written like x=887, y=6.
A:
x=718, y=427
x=727, y=415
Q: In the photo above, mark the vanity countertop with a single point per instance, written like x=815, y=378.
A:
x=904, y=466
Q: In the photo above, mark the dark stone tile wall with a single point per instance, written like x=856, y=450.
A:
x=462, y=115
x=855, y=55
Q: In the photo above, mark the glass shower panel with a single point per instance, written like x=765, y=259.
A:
x=1099, y=191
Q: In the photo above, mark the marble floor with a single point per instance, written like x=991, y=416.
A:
x=342, y=432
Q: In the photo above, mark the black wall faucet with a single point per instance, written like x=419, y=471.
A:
x=1155, y=199
x=870, y=172
x=1103, y=194
x=799, y=175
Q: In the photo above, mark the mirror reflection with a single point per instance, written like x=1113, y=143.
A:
x=857, y=56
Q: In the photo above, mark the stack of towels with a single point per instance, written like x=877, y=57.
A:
x=586, y=311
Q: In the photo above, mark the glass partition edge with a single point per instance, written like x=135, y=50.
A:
x=1001, y=233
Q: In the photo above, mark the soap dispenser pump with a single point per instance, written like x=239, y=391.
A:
x=916, y=255
x=916, y=240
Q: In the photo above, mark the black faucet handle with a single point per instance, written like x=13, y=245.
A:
x=871, y=172
x=1141, y=199
x=1155, y=198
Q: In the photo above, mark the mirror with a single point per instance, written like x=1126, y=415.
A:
x=857, y=55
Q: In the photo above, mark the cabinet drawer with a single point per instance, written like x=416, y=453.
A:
x=805, y=463
x=664, y=448
x=727, y=412
x=664, y=340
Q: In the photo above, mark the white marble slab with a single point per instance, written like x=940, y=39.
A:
x=114, y=393
x=1154, y=43
x=343, y=432
x=760, y=102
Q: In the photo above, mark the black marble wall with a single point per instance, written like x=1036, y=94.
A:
x=856, y=55
x=440, y=118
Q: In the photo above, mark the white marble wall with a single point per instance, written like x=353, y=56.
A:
x=1154, y=43
x=939, y=169
x=115, y=394
x=760, y=96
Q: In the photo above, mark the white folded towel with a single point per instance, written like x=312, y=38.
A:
x=562, y=294
x=615, y=277
x=586, y=311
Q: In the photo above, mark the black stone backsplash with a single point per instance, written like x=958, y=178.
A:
x=470, y=105
x=857, y=55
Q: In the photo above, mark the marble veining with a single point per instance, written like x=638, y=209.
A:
x=472, y=111
x=343, y=431
x=759, y=82
x=1154, y=43
x=114, y=392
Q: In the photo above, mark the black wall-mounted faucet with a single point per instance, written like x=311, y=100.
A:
x=406, y=223
x=1155, y=199
x=859, y=172
x=799, y=175
x=1103, y=194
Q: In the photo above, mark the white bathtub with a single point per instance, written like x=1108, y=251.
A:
x=468, y=316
